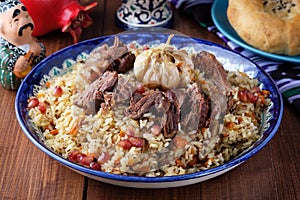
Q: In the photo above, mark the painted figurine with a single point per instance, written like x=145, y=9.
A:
x=19, y=50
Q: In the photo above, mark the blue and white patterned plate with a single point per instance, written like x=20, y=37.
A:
x=64, y=58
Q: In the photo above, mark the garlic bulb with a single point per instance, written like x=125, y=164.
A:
x=165, y=66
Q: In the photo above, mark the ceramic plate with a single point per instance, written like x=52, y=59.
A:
x=220, y=19
x=231, y=60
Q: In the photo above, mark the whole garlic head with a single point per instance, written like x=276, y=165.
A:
x=165, y=66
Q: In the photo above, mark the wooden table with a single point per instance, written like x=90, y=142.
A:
x=27, y=173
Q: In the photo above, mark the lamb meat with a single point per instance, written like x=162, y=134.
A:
x=171, y=117
x=195, y=109
x=164, y=105
x=213, y=69
x=101, y=58
x=123, y=90
x=123, y=64
x=143, y=104
x=92, y=97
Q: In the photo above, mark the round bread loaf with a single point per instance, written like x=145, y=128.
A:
x=269, y=25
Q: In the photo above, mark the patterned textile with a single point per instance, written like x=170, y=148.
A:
x=186, y=4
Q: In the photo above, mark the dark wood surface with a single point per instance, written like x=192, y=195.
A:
x=27, y=173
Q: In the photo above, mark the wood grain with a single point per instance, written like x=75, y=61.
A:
x=27, y=173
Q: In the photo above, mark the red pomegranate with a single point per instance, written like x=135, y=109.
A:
x=67, y=15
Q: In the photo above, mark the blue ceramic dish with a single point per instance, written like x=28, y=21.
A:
x=231, y=60
x=220, y=19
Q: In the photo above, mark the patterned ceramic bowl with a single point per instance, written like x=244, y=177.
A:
x=142, y=14
x=232, y=61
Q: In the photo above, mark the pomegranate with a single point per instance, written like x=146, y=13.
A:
x=67, y=15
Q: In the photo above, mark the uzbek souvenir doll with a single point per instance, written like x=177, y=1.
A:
x=19, y=50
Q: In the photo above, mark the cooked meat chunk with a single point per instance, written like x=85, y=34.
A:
x=164, y=105
x=123, y=64
x=195, y=109
x=207, y=63
x=123, y=90
x=204, y=113
x=171, y=117
x=92, y=97
x=140, y=106
x=101, y=58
